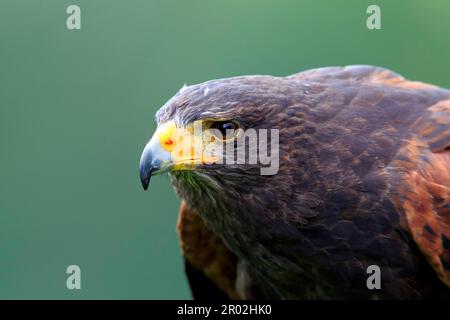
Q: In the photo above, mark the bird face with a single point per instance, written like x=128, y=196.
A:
x=177, y=148
x=210, y=126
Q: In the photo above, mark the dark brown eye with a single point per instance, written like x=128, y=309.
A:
x=226, y=128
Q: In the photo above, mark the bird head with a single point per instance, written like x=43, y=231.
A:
x=231, y=147
x=218, y=128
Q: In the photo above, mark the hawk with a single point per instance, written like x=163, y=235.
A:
x=363, y=180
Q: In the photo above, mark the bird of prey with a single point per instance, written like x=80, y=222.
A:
x=363, y=180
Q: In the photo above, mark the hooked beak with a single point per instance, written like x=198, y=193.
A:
x=154, y=160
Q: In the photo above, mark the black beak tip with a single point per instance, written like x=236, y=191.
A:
x=145, y=180
x=146, y=169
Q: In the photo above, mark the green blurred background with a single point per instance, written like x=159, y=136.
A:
x=76, y=109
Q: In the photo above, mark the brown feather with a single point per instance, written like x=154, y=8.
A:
x=364, y=179
x=424, y=192
x=206, y=252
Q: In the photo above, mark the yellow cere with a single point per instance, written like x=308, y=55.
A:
x=166, y=134
x=186, y=150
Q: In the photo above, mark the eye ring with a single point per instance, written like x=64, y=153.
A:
x=223, y=127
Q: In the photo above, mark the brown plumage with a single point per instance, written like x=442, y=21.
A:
x=364, y=179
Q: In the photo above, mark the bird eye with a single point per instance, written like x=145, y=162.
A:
x=223, y=127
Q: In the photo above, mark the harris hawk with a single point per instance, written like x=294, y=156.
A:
x=363, y=180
